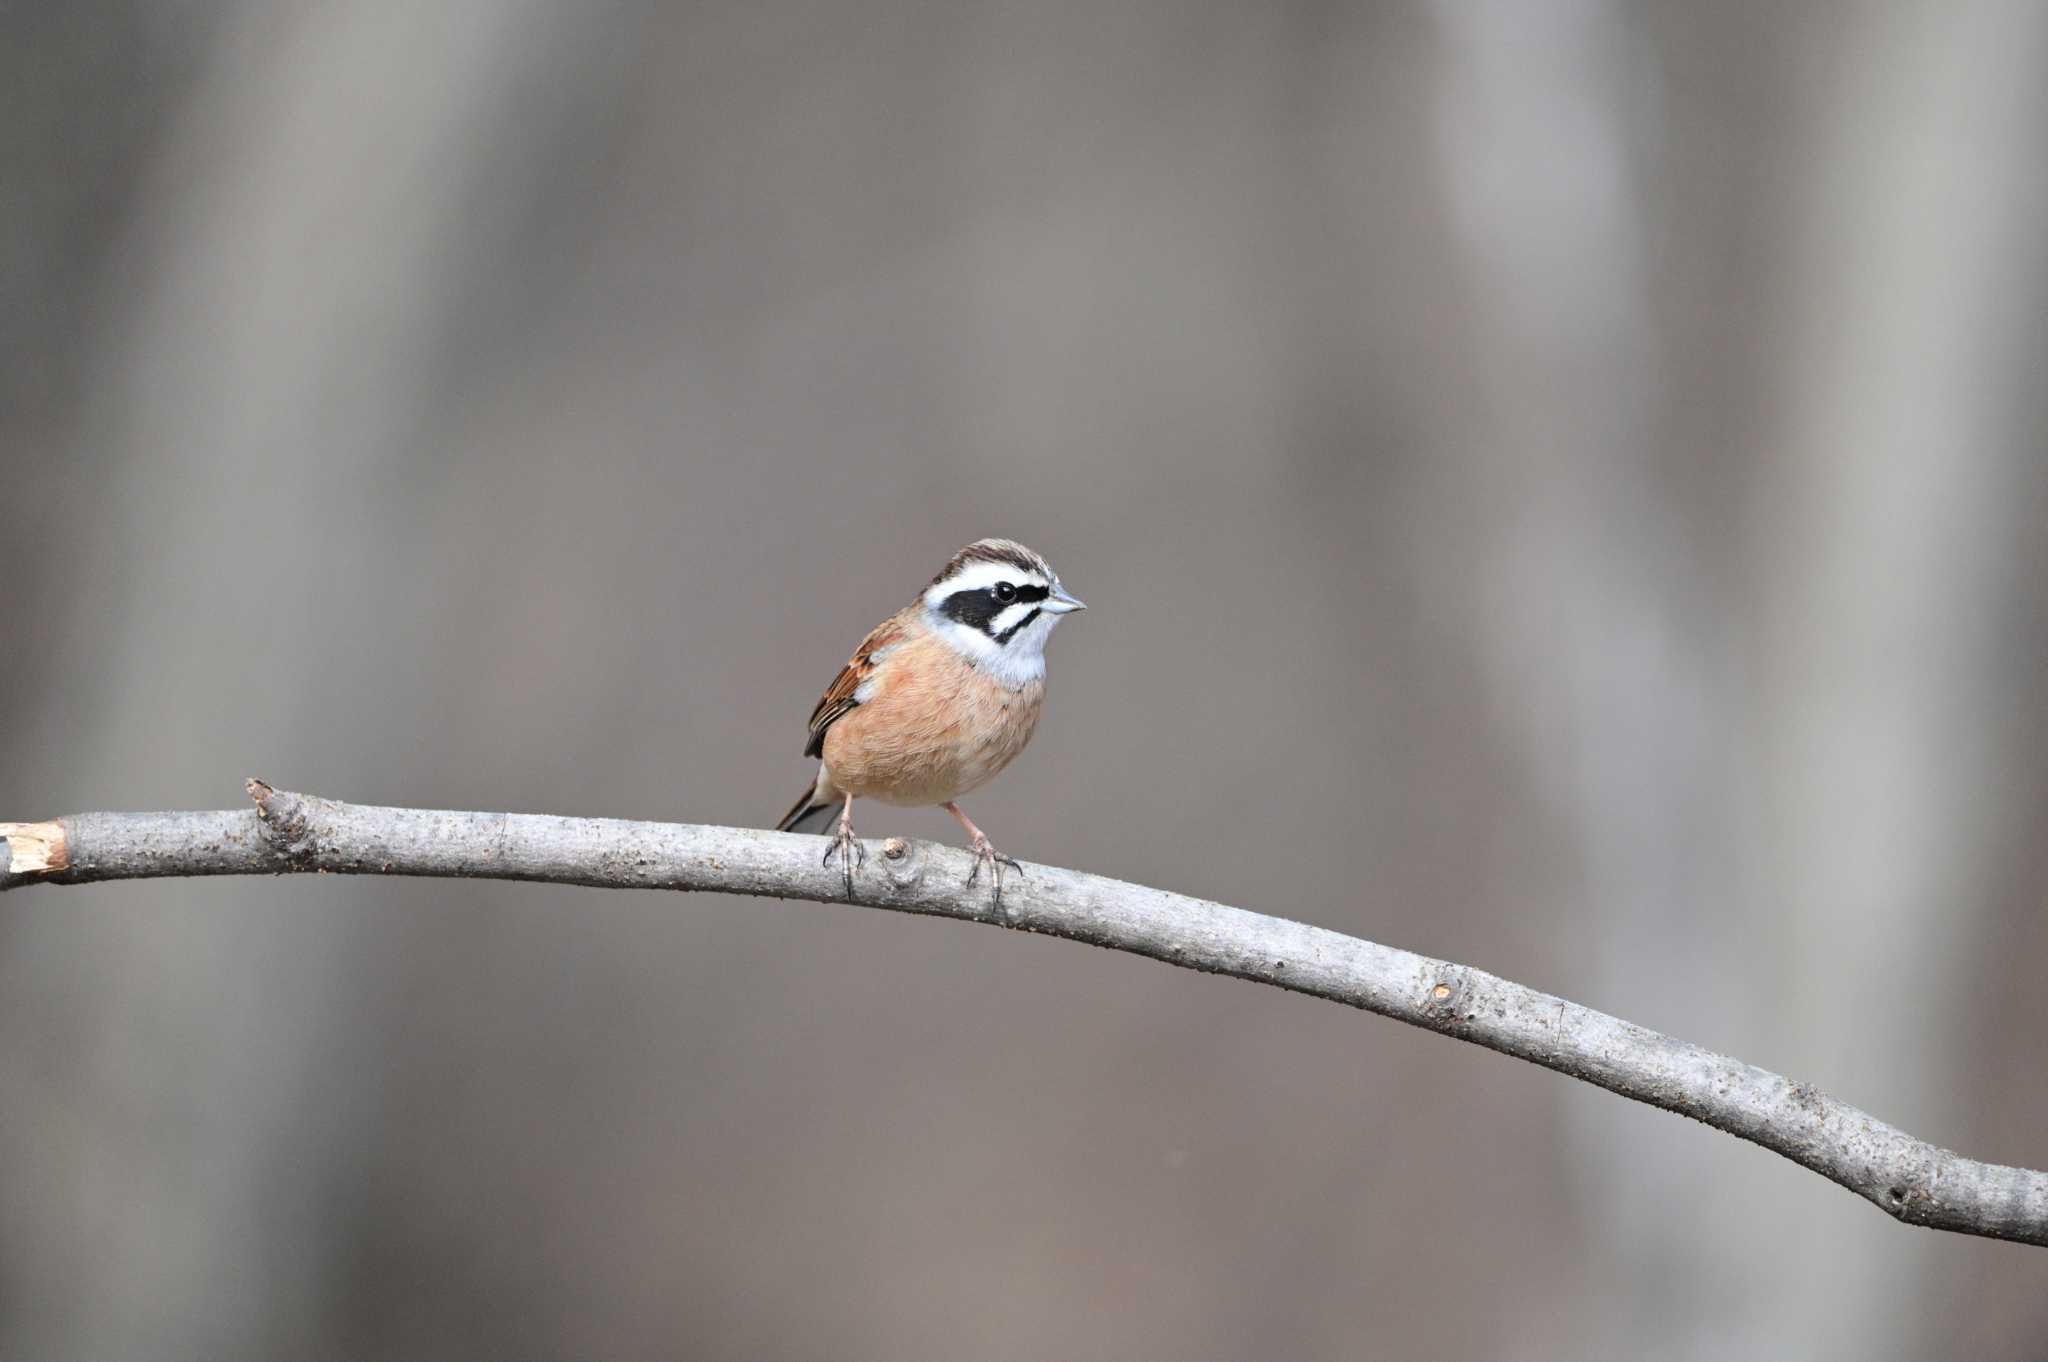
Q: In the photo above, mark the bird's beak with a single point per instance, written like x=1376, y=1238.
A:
x=1060, y=603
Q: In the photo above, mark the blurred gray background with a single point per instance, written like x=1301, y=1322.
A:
x=1562, y=486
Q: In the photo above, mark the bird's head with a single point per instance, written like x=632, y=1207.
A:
x=997, y=602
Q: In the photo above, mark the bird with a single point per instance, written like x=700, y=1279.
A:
x=938, y=699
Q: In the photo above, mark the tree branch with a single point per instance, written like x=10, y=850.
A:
x=1910, y=1179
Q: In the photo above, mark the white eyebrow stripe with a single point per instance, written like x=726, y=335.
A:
x=980, y=577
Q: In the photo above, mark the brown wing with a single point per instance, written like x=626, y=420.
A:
x=838, y=699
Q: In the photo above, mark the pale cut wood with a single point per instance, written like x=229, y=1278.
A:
x=34, y=848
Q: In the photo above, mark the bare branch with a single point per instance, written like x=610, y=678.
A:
x=1910, y=1179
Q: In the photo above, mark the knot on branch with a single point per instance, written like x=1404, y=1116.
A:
x=904, y=862
x=285, y=823
x=1446, y=1001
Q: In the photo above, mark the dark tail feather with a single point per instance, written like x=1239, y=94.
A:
x=806, y=805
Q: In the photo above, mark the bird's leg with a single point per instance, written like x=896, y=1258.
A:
x=984, y=851
x=846, y=846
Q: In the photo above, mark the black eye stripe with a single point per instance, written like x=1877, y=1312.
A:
x=978, y=609
x=973, y=608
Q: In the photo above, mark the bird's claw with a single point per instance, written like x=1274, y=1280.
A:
x=985, y=852
x=852, y=855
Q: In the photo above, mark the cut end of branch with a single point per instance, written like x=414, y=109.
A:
x=259, y=790
x=35, y=848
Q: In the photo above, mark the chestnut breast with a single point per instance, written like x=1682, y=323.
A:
x=933, y=728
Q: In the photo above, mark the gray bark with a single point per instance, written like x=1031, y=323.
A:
x=286, y=833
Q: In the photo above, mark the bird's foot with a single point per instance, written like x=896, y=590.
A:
x=985, y=853
x=852, y=855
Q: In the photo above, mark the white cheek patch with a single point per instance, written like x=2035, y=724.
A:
x=965, y=638
x=1011, y=617
x=1018, y=664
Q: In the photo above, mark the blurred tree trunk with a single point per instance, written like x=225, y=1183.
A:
x=1860, y=846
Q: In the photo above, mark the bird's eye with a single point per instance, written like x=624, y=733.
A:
x=1005, y=592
